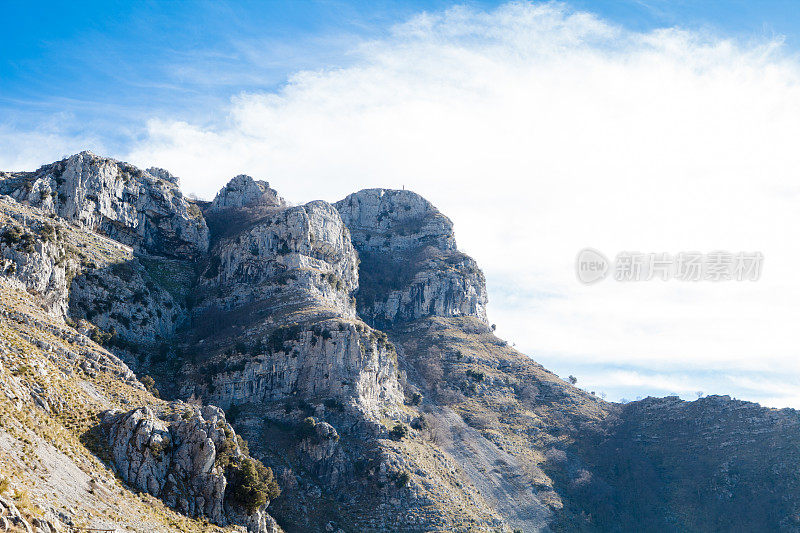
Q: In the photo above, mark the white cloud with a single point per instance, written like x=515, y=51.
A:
x=540, y=131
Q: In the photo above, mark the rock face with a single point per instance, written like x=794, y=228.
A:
x=331, y=360
x=179, y=461
x=410, y=265
x=43, y=254
x=302, y=253
x=284, y=279
x=383, y=220
x=142, y=299
x=244, y=191
x=31, y=254
x=127, y=204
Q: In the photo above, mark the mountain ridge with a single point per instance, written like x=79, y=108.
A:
x=348, y=343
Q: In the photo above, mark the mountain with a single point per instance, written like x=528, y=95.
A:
x=171, y=364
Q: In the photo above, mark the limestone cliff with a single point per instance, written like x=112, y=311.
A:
x=298, y=254
x=410, y=265
x=244, y=191
x=117, y=199
x=281, y=280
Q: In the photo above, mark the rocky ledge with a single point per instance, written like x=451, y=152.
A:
x=193, y=460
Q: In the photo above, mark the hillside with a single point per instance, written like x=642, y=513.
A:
x=176, y=365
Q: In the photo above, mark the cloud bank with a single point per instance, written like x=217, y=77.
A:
x=541, y=130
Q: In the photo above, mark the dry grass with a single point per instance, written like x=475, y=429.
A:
x=32, y=348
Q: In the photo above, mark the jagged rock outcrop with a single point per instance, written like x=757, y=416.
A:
x=333, y=360
x=121, y=201
x=182, y=459
x=31, y=255
x=163, y=174
x=43, y=254
x=11, y=520
x=244, y=191
x=291, y=255
x=283, y=278
x=11, y=517
x=321, y=453
x=410, y=265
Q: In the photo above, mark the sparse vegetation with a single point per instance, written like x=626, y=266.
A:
x=150, y=384
x=475, y=374
x=307, y=428
x=282, y=335
x=402, y=479
x=334, y=404
x=399, y=431
x=103, y=338
x=12, y=235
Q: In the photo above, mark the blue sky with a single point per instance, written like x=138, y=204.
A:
x=538, y=128
x=101, y=66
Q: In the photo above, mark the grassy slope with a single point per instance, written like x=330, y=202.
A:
x=54, y=382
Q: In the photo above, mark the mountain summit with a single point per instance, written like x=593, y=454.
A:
x=178, y=365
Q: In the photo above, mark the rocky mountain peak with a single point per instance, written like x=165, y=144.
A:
x=410, y=264
x=392, y=220
x=163, y=174
x=244, y=191
x=138, y=208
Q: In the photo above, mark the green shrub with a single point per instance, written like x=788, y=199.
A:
x=398, y=431
x=12, y=235
x=419, y=423
x=150, y=384
x=307, y=428
x=158, y=448
x=28, y=243
x=213, y=268
x=103, y=338
x=280, y=336
x=334, y=404
x=124, y=271
x=233, y=413
x=416, y=399
x=402, y=479
x=474, y=374
x=48, y=233
x=251, y=484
